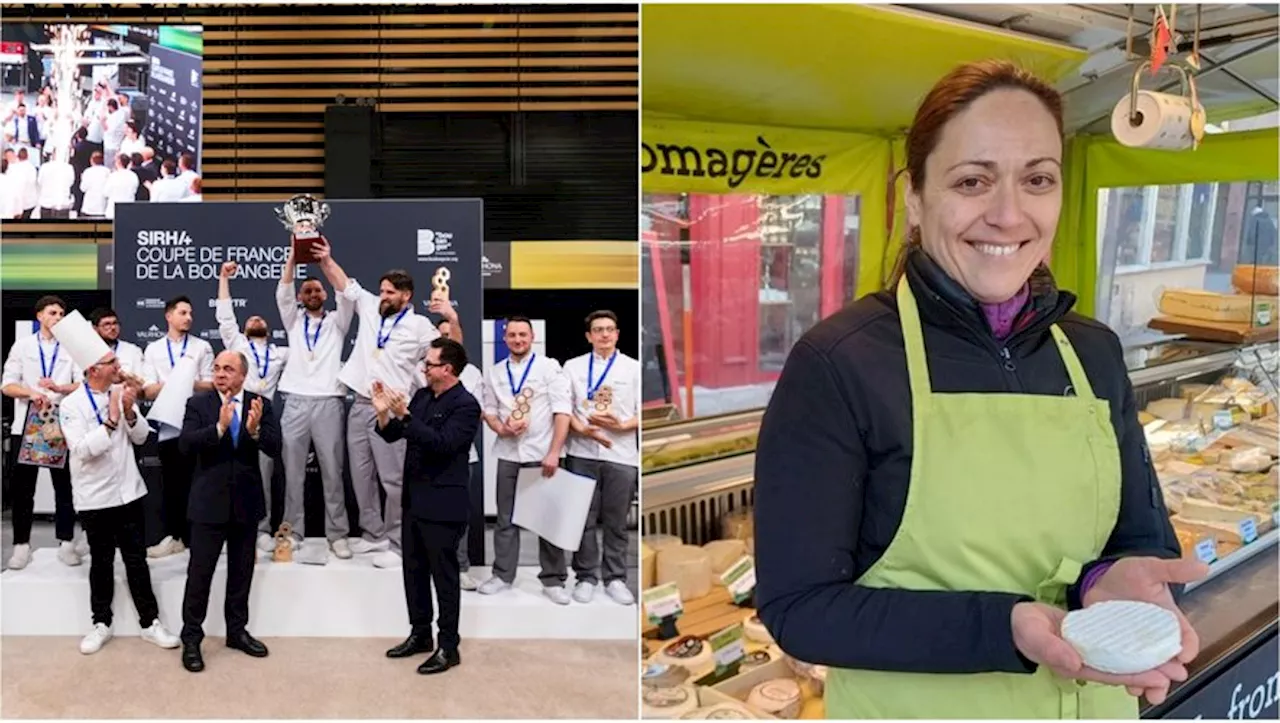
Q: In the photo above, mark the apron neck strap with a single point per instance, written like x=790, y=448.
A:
x=913, y=338
x=918, y=361
x=1075, y=370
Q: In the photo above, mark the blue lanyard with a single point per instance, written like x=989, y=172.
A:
x=382, y=340
x=169, y=346
x=591, y=365
x=53, y=362
x=306, y=330
x=89, y=393
x=511, y=378
x=263, y=369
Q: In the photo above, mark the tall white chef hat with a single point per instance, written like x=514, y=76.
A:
x=79, y=339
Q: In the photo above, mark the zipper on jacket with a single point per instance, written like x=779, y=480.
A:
x=1008, y=360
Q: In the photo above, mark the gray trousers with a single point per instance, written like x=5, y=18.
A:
x=506, y=536
x=615, y=488
x=306, y=421
x=373, y=460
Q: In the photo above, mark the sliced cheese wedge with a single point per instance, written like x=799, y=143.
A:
x=1123, y=637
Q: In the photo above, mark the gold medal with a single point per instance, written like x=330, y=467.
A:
x=517, y=415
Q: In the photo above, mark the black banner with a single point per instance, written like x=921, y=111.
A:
x=1245, y=691
x=174, y=103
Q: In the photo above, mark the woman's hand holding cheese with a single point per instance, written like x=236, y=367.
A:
x=1147, y=579
x=1037, y=633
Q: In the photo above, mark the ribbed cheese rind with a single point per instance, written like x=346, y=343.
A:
x=1123, y=637
x=689, y=567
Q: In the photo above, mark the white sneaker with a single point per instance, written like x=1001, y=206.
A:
x=160, y=636
x=584, y=591
x=266, y=543
x=557, y=595
x=387, y=559
x=163, y=548
x=82, y=546
x=341, y=549
x=96, y=638
x=619, y=593
x=21, y=557
x=67, y=554
x=361, y=546
x=493, y=585
x=468, y=583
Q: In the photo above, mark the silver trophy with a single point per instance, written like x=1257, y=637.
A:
x=304, y=215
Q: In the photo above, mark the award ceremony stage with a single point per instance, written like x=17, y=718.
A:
x=346, y=598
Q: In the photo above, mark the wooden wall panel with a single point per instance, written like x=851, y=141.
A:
x=270, y=70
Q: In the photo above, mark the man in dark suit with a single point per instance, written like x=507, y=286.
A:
x=25, y=130
x=440, y=424
x=223, y=431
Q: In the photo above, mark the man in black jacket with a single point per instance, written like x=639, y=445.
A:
x=223, y=431
x=440, y=424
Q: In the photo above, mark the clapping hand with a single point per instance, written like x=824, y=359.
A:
x=398, y=403
x=381, y=402
x=226, y=413
x=113, y=405
x=255, y=417
x=128, y=398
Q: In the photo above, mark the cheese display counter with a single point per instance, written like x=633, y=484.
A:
x=1209, y=411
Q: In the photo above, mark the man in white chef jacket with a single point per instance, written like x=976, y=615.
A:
x=102, y=422
x=107, y=323
x=527, y=404
x=603, y=445
x=37, y=372
x=158, y=361
x=391, y=343
x=473, y=381
x=313, y=400
x=266, y=363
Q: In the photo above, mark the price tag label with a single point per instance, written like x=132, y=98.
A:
x=1262, y=316
x=729, y=647
x=740, y=578
x=1222, y=419
x=1248, y=530
x=662, y=601
x=1207, y=550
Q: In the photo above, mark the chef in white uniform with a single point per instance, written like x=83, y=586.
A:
x=158, y=361
x=526, y=402
x=604, y=446
x=266, y=363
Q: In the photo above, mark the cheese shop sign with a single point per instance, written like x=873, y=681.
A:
x=688, y=157
x=1248, y=690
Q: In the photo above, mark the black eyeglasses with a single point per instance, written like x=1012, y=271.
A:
x=430, y=365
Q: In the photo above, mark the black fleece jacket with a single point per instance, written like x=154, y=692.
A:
x=826, y=510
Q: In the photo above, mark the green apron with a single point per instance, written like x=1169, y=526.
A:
x=1008, y=493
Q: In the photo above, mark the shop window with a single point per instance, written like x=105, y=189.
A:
x=1152, y=238
x=735, y=281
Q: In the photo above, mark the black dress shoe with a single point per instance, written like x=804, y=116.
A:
x=191, y=658
x=415, y=644
x=440, y=661
x=246, y=643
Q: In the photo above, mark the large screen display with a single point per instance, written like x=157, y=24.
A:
x=98, y=115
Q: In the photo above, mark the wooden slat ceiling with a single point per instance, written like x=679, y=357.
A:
x=270, y=70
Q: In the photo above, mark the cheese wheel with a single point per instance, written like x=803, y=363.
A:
x=779, y=697
x=723, y=554
x=1249, y=279
x=669, y=703
x=1123, y=637
x=756, y=631
x=648, y=566
x=688, y=567
x=688, y=652
x=755, y=659
x=724, y=711
x=660, y=675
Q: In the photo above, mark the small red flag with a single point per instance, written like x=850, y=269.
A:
x=1160, y=46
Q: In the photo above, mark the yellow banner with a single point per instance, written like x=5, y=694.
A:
x=679, y=156
x=575, y=265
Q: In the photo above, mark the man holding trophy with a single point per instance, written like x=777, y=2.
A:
x=392, y=340
x=313, y=410
x=606, y=414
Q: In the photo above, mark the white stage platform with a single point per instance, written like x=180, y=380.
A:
x=346, y=598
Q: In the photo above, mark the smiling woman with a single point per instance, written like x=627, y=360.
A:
x=968, y=380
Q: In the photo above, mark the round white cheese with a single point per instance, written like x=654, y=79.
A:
x=1123, y=637
x=720, y=711
x=779, y=697
x=669, y=703
x=687, y=652
x=756, y=631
